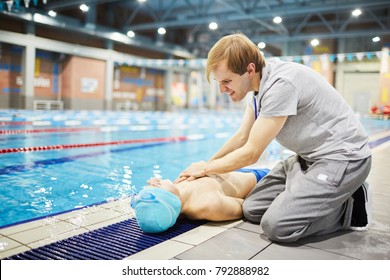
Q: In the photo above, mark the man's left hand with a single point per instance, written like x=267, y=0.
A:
x=195, y=170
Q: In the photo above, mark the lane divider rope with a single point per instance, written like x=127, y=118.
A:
x=88, y=145
x=9, y=123
x=372, y=144
x=42, y=130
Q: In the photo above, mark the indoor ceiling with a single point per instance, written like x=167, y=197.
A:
x=187, y=21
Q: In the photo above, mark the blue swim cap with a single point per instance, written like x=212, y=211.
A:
x=156, y=210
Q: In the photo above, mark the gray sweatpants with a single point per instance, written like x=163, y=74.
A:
x=299, y=198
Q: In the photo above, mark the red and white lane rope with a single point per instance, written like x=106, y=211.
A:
x=43, y=130
x=88, y=145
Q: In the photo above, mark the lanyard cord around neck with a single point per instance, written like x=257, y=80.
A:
x=255, y=104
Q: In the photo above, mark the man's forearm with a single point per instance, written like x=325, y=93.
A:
x=232, y=144
x=236, y=159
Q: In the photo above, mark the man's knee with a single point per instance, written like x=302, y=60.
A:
x=279, y=230
x=251, y=211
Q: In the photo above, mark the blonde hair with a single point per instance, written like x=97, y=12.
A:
x=238, y=51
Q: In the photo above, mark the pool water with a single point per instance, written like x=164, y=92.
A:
x=41, y=183
x=46, y=182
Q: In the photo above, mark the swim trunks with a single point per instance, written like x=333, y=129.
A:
x=259, y=173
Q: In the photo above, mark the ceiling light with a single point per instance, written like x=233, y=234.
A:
x=84, y=8
x=161, y=31
x=141, y=1
x=376, y=39
x=277, y=20
x=356, y=12
x=9, y=5
x=26, y=3
x=213, y=25
x=261, y=45
x=52, y=13
x=116, y=36
x=130, y=33
x=39, y=18
x=315, y=42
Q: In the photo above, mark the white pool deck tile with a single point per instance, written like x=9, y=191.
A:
x=199, y=234
x=163, y=251
x=226, y=240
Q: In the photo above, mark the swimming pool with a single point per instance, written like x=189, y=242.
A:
x=55, y=162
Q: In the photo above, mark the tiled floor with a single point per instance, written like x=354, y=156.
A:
x=231, y=240
x=17, y=239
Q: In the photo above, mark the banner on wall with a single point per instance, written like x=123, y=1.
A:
x=179, y=91
x=306, y=59
x=117, y=78
x=38, y=82
x=195, y=94
x=89, y=85
x=385, y=76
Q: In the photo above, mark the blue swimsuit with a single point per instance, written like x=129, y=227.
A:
x=259, y=173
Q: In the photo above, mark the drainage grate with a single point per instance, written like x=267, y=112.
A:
x=113, y=242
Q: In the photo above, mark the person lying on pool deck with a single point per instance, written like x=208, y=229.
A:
x=214, y=198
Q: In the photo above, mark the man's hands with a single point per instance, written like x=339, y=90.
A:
x=195, y=170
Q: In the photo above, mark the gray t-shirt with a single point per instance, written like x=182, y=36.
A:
x=320, y=123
